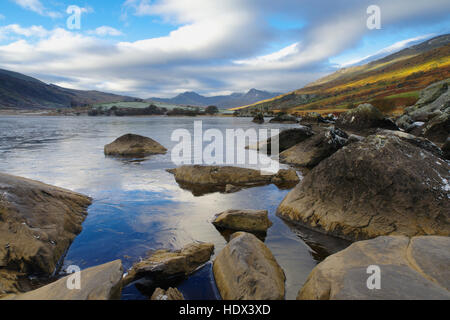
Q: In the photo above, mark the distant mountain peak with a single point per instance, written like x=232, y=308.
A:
x=235, y=99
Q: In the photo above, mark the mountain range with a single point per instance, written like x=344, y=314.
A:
x=18, y=91
x=390, y=83
x=223, y=101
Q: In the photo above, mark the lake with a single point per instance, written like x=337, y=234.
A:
x=137, y=206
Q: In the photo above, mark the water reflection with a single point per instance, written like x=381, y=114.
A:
x=138, y=207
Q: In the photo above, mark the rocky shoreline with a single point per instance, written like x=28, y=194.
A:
x=382, y=183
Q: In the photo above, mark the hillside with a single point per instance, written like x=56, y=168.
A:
x=391, y=83
x=225, y=101
x=18, y=91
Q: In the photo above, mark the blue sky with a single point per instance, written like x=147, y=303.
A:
x=163, y=47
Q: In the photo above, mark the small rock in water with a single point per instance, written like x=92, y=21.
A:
x=169, y=294
x=243, y=220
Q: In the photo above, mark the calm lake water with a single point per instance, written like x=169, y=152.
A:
x=138, y=207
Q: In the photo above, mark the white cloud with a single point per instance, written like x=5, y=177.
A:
x=15, y=29
x=105, y=31
x=217, y=46
x=2, y=17
x=38, y=7
x=388, y=50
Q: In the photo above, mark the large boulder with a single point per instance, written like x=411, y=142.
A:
x=246, y=270
x=206, y=179
x=410, y=269
x=169, y=294
x=310, y=152
x=132, y=145
x=243, y=220
x=430, y=116
x=379, y=186
x=259, y=118
x=438, y=128
x=286, y=139
x=102, y=282
x=420, y=142
x=38, y=222
x=164, y=265
x=365, y=116
x=432, y=92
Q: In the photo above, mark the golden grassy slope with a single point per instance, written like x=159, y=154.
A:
x=390, y=85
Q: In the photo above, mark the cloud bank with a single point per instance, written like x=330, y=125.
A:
x=217, y=46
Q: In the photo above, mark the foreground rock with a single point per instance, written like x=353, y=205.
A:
x=286, y=139
x=259, y=119
x=380, y=186
x=246, y=270
x=311, y=151
x=38, y=222
x=165, y=265
x=103, y=282
x=415, y=268
x=169, y=294
x=243, y=220
x=132, y=145
x=284, y=118
x=207, y=179
x=365, y=116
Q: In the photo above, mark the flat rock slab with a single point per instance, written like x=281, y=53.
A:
x=410, y=268
x=102, y=282
x=207, y=179
x=382, y=185
x=243, y=220
x=38, y=222
x=246, y=270
x=164, y=264
x=132, y=145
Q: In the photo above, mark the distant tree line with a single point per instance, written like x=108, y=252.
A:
x=153, y=110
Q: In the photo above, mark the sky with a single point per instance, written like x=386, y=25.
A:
x=160, y=48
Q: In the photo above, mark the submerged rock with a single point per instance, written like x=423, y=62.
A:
x=38, y=222
x=164, y=265
x=380, y=186
x=410, y=269
x=207, y=179
x=102, y=282
x=246, y=270
x=169, y=294
x=365, y=116
x=243, y=220
x=310, y=152
x=132, y=145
